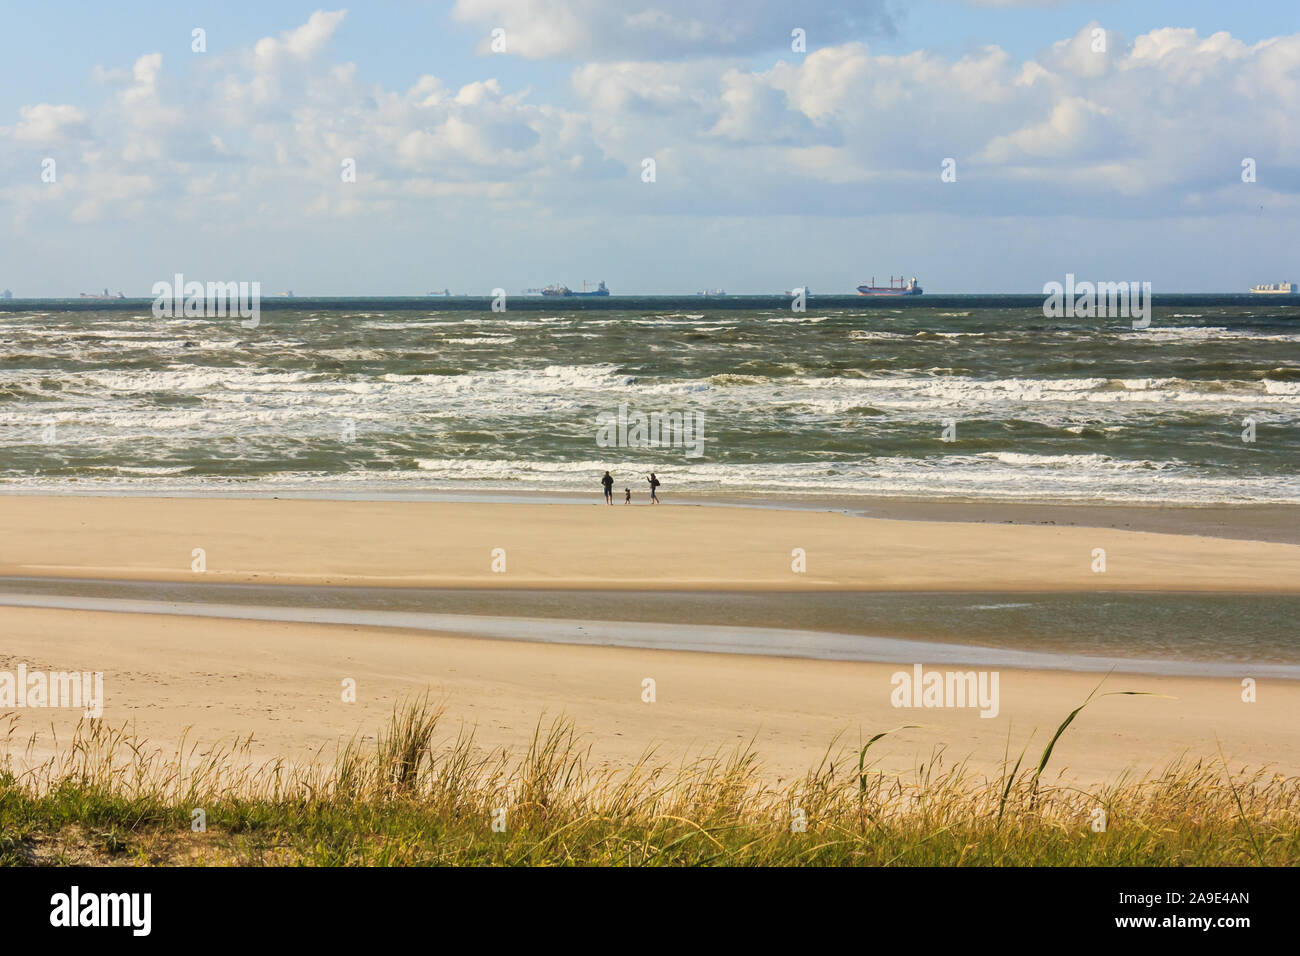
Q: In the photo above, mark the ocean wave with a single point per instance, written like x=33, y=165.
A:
x=1200, y=333
x=751, y=388
x=437, y=398
x=1046, y=479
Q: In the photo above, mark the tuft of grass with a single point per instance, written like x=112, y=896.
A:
x=417, y=796
x=404, y=748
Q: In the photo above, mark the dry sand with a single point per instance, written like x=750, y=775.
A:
x=282, y=682
x=451, y=544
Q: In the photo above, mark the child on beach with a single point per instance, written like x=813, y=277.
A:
x=627, y=496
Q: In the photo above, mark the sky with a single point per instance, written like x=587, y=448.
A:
x=1105, y=139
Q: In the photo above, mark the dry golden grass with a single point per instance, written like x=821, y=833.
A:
x=416, y=798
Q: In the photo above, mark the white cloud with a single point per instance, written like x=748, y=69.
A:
x=1073, y=129
x=1076, y=129
x=597, y=30
x=45, y=122
x=840, y=131
x=300, y=44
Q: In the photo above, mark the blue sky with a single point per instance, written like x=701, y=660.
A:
x=53, y=47
x=480, y=169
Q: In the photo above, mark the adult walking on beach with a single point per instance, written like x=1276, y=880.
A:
x=608, y=482
x=654, y=488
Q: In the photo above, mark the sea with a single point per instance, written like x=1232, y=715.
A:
x=955, y=397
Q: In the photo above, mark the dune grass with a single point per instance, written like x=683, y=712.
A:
x=418, y=798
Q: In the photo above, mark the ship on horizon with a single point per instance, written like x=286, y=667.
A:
x=564, y=290
x=901, y=288
x=97, y=295
x=1276, y=288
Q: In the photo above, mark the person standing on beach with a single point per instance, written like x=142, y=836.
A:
x=608, y=482
x=627, y=496
x=654, y=489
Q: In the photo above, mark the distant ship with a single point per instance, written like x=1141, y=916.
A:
x=908, y=288
x=444, y=293
x=104, y=295
x=712, y=292
x=1277, y=288
x=566, y=291
x=6, y=294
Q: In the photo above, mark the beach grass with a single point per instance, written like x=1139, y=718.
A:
x=416, y=796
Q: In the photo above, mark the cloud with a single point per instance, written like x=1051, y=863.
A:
x=45, y=123
x=300, y=44
x=597, y=30
x=843, y=131
x=1076, y=129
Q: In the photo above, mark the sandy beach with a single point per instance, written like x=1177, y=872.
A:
x=458, y=544
x=215, y=679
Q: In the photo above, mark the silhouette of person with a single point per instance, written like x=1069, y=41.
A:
x=608, y=482
x=654, y=489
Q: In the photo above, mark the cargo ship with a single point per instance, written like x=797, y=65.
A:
x=895, y=287
x=105, y=295
x=1277, y=288
x=566, y=291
